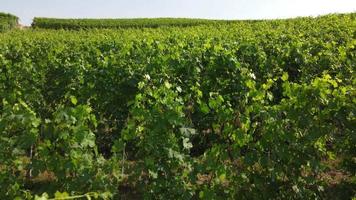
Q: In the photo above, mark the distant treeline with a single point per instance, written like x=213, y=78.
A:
x=78, y=24
x=7, y=21
x=52, y=23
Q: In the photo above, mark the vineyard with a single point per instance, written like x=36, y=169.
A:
x=189, y=109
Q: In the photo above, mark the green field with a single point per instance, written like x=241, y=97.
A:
x=179, y=109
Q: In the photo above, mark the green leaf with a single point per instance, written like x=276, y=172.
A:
x=44, y=196
x=250, y=84
x=204, y=108
x=187, y=144
x=187, y=132
x=222, y=177
x=141, y=85
x=60, y=195
x=179, y=89
x=153, y=174
x=167, y=85
x=285, y=76
x=74, y=100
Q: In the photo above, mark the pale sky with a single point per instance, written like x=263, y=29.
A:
x=210, y=9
